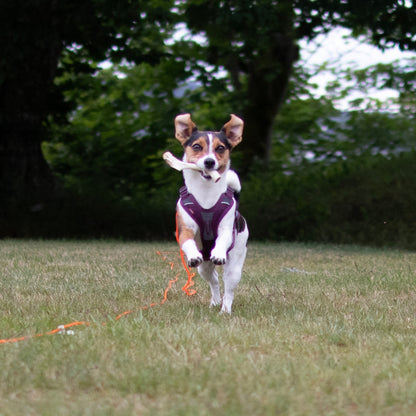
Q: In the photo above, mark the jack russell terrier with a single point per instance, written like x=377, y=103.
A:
x=211, y=231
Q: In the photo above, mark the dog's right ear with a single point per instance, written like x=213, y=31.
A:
x=184, y=127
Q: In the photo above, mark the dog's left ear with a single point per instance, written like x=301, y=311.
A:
x=234, y=130
x=184, y=127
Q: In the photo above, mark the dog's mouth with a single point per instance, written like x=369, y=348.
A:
x=205, y=174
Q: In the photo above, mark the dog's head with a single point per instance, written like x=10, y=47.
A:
x=209, y=150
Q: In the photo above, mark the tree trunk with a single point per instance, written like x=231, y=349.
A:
x=24, y=174
x=268, y=80
x=27, y=72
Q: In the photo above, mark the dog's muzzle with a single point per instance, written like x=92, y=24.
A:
x=209, y=163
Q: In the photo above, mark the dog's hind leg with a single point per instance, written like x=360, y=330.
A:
x=208, y=272
x=233, y=269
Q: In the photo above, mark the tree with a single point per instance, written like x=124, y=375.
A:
x=257, y=43
x=36, y=36
x=113, y=144
x=254, y=41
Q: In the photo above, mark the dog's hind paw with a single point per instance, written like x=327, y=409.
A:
x=225, y=311
x=215, y=301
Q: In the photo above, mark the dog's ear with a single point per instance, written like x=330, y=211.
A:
x=184, y=127
x=234, y=130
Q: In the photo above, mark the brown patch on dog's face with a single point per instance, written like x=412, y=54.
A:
x=208, y=145
x=222, y=153
x=197, y=148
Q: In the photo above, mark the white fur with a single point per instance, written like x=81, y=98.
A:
x=233, y=181
x=207, y=193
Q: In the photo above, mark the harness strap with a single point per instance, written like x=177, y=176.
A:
x=209, y=219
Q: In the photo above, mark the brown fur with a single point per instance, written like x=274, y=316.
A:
x=184, y=233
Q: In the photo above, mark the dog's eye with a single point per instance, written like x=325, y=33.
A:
x=220, y=149
x=197, y=147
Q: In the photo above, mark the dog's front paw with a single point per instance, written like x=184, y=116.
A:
x=195, y=261
x=192, y=253
x=218, y=257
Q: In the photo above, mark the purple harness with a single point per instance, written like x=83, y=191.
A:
x=209, y=219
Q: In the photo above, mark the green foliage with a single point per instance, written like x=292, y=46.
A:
x=311, y=131
x=70, y=38
x=366, y=200
x=334, y=176
x=115, y=137
x=398, y=76
x=104, y=131
x=46, y=39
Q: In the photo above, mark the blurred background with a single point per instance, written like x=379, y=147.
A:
x=89, y=90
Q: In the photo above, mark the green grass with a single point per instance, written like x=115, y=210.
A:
x=315, y=330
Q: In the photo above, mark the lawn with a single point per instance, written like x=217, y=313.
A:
x=315, y=330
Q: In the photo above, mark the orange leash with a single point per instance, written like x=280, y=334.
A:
x=190, y=282
x=62, y=329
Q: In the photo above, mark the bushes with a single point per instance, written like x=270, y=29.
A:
x=368, y=200
x=75, y=215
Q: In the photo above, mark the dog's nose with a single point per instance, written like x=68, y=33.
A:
x=209, y=163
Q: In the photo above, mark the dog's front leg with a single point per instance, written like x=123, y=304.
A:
x=192, y=253
x=187, y=229
x=224, y=239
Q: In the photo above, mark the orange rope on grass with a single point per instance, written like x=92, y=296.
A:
x=190, y=282
x=165, y=296
x=62, y=329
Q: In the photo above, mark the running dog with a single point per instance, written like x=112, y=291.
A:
x=211, y=231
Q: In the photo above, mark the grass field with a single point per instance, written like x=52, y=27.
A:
x=315, y=330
